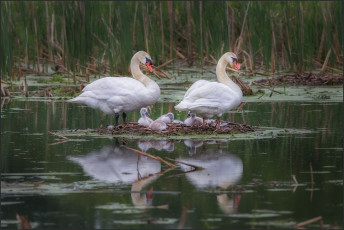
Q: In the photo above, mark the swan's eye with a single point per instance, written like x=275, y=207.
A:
x=149, y=64
x=149, y=61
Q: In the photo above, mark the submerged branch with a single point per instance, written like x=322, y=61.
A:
x=188, y=164
x=151, y=156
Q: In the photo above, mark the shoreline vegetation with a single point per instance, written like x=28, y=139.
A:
x=79, y=39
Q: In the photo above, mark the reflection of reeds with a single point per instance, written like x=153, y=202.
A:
x=75, y=35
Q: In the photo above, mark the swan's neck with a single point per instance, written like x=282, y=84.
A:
x=222, y=75
x=137, y=73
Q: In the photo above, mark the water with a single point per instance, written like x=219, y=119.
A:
x=96, y=182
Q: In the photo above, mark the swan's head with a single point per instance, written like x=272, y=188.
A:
x=145, y=59
x=144, y=112
x=232, y=59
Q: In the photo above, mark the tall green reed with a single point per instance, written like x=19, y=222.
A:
x=276, y=35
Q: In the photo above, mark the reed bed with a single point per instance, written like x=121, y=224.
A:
x=82, y=38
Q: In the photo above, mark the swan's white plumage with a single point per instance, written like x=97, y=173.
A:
x=208, y=98
x=121, y=94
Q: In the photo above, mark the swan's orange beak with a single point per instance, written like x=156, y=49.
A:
x=149, y=66
x=236, y=64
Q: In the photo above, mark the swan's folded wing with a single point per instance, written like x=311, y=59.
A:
x=211, y=91
x=195, y=86
x=114, y=83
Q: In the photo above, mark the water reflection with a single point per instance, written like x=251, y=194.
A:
x=192, y=145
x=119, y=165
x=156, y=144
x=221, y=170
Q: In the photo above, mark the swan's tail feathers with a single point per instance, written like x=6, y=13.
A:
x=74, y=100
x=181, y=107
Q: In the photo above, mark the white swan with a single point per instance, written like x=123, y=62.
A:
x=167, y=118
x=113, y=95
x=115, y=164
x=207, y=98
x=144, y=119
x=192, y=120
x=221, y=170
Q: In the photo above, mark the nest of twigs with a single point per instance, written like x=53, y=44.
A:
x=176, y=129
x=304, y=79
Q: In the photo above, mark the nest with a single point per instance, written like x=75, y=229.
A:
x=303, y=79
x=175, y=129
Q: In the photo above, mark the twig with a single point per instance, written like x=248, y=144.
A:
x=294, y=179
x=165, y=64
x=59, y=136
x=151, y=156
x=255, y=83
x=59, y=142
x=194, y=166
x=315, y=219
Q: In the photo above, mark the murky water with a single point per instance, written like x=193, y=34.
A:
x=98, y=182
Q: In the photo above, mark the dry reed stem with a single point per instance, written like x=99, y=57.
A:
x=326, y=61
x=242, y=29
x=310, y=221
x=165, y=64
x=170, y=13
x=59, y=136
x=151, y=156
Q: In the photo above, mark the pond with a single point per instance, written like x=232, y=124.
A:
x=98, y=181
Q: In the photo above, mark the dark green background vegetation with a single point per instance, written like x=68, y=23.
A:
x=266, y=35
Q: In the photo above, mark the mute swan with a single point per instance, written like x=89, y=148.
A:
x=167, y=118
x=158, y=125
x=144, y=120
x=213, y=98
x=113, y=95
x=193, y=120
x=221, y=170
x=115, y=164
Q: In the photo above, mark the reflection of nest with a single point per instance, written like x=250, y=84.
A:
x=176, y=129
x=304, y=79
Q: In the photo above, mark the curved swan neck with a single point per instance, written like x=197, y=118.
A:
x=222, y=75
x=136, y=71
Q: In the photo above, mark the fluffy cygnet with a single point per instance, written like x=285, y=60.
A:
x=193, y=120
x=158, y=125
x=144, y=119
x=167, y=118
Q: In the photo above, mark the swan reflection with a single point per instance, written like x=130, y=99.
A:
x=119, y=165
x=221, y=169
